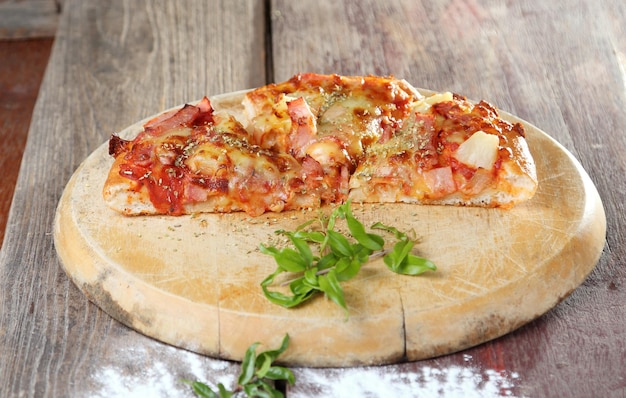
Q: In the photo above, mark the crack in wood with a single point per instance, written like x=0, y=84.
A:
x=269, y=54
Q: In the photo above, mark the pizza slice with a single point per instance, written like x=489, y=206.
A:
x=328, y=119
x=318, y=139
x=195, y=160
x=449, y=151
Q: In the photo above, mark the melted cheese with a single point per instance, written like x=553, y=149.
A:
x=318, y=138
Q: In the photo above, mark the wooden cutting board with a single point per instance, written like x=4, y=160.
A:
x=193, y=281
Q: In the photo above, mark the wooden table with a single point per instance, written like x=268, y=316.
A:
x=21, y=70
x=559, y=65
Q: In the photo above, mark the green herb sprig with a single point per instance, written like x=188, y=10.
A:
x=322, y=259
x=255, y=380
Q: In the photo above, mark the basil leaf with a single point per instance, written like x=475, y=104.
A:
x=300, y=290
x=313, y=236
x=263, y=364
x=303, y=248
x=400, y=250
x=414, y=265
x=284, y=300
x=396, y=233
x=299, y=287
x=371, y=241
x=339, y=244
x=271, y=250
x=224, y=393
x=280, y=373
x=403, y=248
x=342, y=264
x=329, y=225
x=270, y=278
x=377, y=242
x=331, y=287
x=248, y=365
x=328, y=261
x=348, y=269
x=290, y=260
x=201, y=389
x=310, y=277
x=261, y=389
x=283, y=346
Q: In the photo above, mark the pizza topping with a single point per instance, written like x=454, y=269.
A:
x=478, y=151
x=181, y=118
x=423, y=105
x=355, y=110
x=318, y=139
x=303, y=127
x=479, y=181
x=268, y=119
x=440, y=181
x=328, y=151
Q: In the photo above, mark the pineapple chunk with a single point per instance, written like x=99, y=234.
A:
x=424, y=104
x=479, y=151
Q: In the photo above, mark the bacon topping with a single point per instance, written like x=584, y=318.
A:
x=309, y=136
x=304, y=127
x=118, y=145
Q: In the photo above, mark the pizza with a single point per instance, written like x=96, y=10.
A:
x=322, y=139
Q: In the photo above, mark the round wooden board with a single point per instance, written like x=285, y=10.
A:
x=193, y=281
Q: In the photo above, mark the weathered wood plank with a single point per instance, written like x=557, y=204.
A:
x=22, y=67
x=28, y=19
x=557, y=65
x=112, y=64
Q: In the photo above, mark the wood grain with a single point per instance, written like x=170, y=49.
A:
x=111, y=64
x=533, y=60
x=560, y=65
x=29, y=19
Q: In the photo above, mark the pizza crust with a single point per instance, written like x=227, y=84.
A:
x=124, y=195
